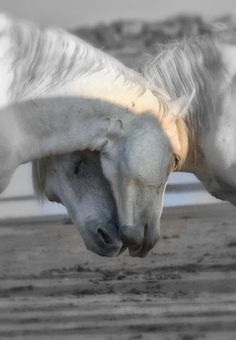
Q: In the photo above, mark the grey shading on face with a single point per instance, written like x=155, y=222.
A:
x=76, y=180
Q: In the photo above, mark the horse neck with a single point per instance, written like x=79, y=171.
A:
x=56, y=125
x=193, y=69
x=47, y=126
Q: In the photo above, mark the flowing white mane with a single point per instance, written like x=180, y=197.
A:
x=190, y=68
x=45, y=58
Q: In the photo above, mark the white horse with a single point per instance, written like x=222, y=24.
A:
x=203, y=70
x=88, y=100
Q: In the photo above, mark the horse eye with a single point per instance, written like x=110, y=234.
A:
x=77, y=167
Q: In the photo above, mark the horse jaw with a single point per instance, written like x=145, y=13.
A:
x=141, y=231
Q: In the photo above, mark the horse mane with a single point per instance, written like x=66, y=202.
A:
x=39, y=175
x=191, y=68
x=51, y=57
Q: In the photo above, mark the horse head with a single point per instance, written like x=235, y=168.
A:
x=76, y=180
x=137, y=167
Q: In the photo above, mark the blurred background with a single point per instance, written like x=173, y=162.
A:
x=73, y=13
x=125, y=28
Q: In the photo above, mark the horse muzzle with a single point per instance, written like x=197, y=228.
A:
x=139, y=240
x=102, y=239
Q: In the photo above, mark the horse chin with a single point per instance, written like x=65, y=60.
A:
x=137, y=251
x=150, y=238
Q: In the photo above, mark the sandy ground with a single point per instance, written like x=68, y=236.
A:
x=51, y=287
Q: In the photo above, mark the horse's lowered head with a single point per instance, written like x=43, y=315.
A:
x=76, y=180
x=137, y=166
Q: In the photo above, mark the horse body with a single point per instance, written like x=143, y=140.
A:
x=62, y=95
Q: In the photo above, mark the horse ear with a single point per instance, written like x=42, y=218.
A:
x=181, y=105
x=116, y=128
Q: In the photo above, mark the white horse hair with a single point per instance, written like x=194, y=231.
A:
x=42, y=60
x=60, y=95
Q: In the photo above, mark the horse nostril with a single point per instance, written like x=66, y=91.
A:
x=104, y=236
